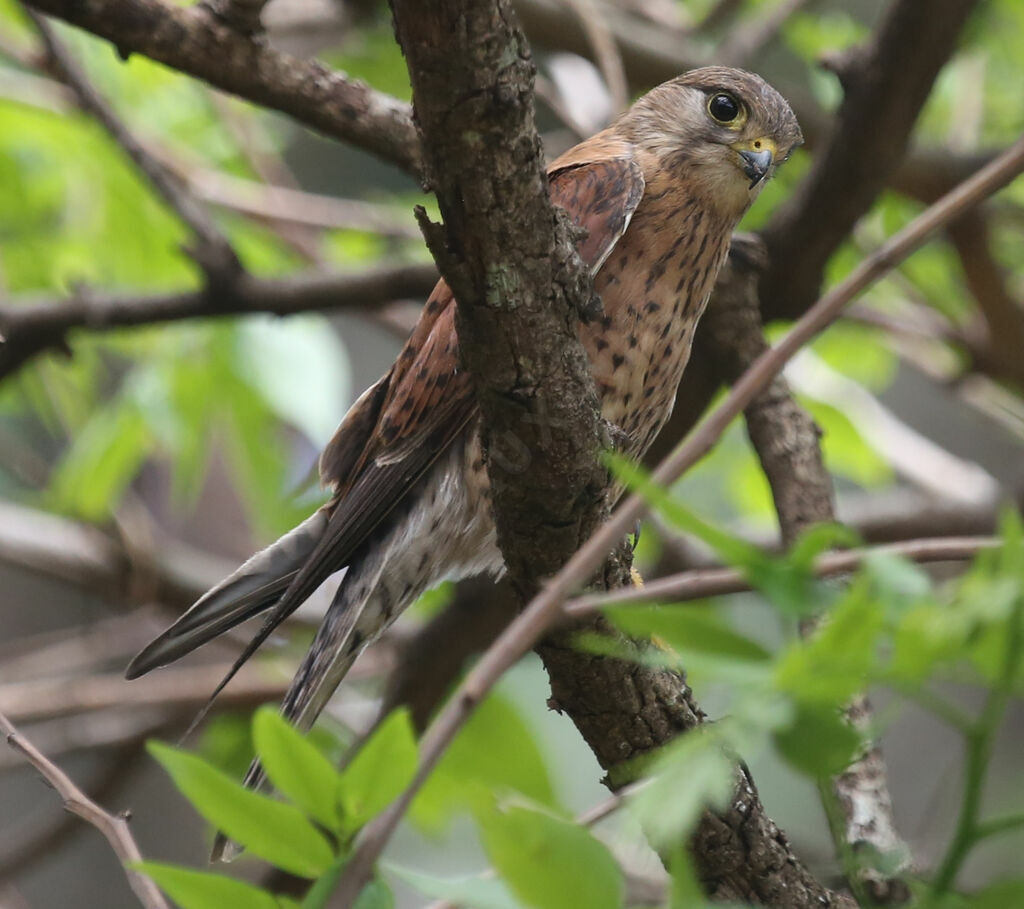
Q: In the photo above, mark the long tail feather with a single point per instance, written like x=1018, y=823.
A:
x=328, y=660
x=254, y=587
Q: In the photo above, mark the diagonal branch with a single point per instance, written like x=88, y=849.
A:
x=212, y=251
x=113, y=827
x=196, y=42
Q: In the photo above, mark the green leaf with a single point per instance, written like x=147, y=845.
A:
x=817, y=539
x=375, y=895
x=548, y=862
x=819, y=742
x=685, y=891
x=688, y=775
x=204, y=889
x=296, y=768
x=733, y=550
x=687, y=628
x=836, y=661
x=473, y=892
x=274, y=831
x=380, y=771
x=496, y=750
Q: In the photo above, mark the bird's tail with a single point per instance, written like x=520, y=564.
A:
x=253, y=588
x=352, y=620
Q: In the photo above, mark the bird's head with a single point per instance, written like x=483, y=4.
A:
x=724, y=129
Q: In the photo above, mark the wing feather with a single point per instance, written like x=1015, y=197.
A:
x=400, y=426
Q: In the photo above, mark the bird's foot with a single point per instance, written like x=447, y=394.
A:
x=615, y=437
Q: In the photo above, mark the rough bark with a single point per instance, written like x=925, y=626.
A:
x=510, y=258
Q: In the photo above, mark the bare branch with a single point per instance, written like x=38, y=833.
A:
x=605, y=52
x=192, y=40
x=31, y=845
x=701, y=583
x=294, y=206
x=212, y=252
x=114, y=828
x=535, y=620
x=183, y=687
x=32, y=326
x=747, y=41
x=1003, y=317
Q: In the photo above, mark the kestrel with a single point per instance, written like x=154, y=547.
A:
x=658, y=194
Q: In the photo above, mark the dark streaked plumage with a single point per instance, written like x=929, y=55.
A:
x=659, y=193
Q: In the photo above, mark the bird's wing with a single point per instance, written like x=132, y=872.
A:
x=396, y=430
x=600, y=184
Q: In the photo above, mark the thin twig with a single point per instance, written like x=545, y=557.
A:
x=535, y=620
x=294, y=206
x=701, y=583
x=113, y=827
x=606, y=52
x=747, y=42
x=212, y=251
x=193, y=41
x=28, y=846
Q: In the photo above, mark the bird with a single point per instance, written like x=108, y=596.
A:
x=657, y=196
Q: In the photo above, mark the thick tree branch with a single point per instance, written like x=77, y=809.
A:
x=510, y=259
x=31, y=326
x=864, y=149
x=193, y=40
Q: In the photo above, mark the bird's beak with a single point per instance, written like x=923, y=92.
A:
x=757, y=156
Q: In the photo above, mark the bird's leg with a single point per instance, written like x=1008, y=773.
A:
x=615, y=438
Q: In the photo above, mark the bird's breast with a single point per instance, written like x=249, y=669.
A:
x=654, y=287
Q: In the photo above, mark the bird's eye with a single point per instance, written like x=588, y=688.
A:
x=723, y=107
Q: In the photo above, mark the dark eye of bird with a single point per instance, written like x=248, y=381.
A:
x=724, y=108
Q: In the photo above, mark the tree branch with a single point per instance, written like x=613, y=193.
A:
x=701, y=583
x=511, y=261
x=863, y=151
x=114, y=828
x=32, y=326
x=212, y=251
x=196, y=42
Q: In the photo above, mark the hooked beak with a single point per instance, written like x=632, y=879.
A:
x=757, y=158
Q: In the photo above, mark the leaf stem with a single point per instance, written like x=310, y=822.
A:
x=980, y=738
